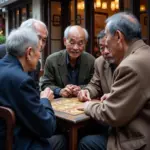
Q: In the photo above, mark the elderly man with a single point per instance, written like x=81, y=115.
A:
x=40, y=28
x=102, y=78
x=127, y=107
x=35, y=118
x=67, y=71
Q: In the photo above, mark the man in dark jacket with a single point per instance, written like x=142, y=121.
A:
x=2, y=50
x=40, y=28
x=69, y=70
x=35, y=118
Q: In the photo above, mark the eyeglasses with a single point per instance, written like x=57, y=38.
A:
x=72, y=43
x=101, y=47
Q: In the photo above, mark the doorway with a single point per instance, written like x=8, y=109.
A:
x=55, y=26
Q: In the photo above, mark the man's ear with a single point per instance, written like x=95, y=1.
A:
x=120, y=39
x=119, y=35
x=29, y=53
x=86, y=42
x=65, y=41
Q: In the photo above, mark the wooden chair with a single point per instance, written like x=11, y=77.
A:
x=8, y=116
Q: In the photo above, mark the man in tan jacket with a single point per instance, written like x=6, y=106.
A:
x=102, y=78
x=127, y=107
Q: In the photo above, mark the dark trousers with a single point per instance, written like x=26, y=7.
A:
x=58, y=142
x=93, y=142
x=97, y=140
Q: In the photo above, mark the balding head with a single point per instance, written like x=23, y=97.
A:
x=39, y=27
x=76, y=30
x=34, y=23
x=75, y=39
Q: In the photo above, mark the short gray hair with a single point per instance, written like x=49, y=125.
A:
x=19, y=40
x=66, y=32
x=30, y=24
x=125, y=22
x=101, y=34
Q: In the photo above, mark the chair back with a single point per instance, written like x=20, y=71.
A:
x=8, y=116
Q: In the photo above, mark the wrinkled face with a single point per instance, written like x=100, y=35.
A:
x=114, y=45
x=75, y=43
x=33, y=56
x=42, y=34
x=104, y=50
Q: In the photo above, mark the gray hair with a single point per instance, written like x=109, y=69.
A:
x=30, y=24
x=126, y=23
x=66, y=32
x=101, y=34
x=19, y=40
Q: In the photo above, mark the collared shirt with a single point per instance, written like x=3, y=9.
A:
x=73, y=72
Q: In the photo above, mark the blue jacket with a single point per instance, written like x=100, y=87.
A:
x=2, y=50
x=35, y=119
x=34, y=74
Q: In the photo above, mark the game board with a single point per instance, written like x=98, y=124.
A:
x=67, y=105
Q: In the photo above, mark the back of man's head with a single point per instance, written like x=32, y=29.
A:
x=125, y=22
x=19, y=40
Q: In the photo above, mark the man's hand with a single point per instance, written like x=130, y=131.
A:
x=47, y=93
x=67, y=91
x=70, y=90
x=105, y=96
x=75, y=90
x=84, y=95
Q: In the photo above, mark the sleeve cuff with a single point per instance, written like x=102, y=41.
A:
x=45, y=102
x=87, y=108
x=57, y=91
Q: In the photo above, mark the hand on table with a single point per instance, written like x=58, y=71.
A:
x=47, y=93
x=70, y=90
x=105, y=96
x=84, y=96
x=75, y=90
x=66, y=92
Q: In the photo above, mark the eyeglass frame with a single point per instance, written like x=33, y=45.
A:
x=101, y=47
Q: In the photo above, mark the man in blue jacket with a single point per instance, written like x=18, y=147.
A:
x=40, y=28
x=2, y=50
x=35, y=119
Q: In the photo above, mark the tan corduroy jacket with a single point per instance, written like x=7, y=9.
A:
x=127, y=109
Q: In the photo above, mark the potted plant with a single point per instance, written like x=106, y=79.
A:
x=2, y=39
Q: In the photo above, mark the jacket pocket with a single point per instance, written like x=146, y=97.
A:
x=134, y=144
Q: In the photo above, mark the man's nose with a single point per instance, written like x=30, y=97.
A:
x=75, y=46
x=106, y=51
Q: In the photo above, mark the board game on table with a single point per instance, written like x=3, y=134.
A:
x=67, y=105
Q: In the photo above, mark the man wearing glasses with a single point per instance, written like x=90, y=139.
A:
x=69, y=70
x=102, y=78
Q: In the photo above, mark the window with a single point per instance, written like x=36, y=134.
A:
x=19, y=14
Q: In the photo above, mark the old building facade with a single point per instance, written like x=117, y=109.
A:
x=58, y=14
